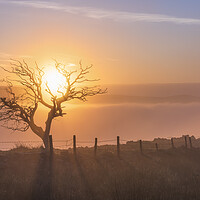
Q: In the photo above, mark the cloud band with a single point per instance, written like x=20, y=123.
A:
x=96, y=13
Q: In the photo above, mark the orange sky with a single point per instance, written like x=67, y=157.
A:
x=123, y=49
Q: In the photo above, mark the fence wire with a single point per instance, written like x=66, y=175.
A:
x=69, y=143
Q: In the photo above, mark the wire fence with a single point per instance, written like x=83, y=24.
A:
x=109, y=144
x=59, y=144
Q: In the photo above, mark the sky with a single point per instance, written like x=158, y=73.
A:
x=128, y=42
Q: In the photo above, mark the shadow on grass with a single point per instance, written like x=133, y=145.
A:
x=87, y=187
x=43, y=183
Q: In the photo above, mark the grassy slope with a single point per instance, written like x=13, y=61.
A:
x=167, y=174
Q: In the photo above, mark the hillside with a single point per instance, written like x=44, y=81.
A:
x=144, y=94
x=166, y=174
x=119, y=99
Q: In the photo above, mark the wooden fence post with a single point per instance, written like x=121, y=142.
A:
x=172, y=142
x=190, y=140
x=51, y=144
x=156, y=146
x=118, y=146
x=141, y=150
x=74, y=143
x=185, y=141
x=95, y=147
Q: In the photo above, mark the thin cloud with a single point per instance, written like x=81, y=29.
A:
x=3, y=55
x=7, y=57
x=107, y=14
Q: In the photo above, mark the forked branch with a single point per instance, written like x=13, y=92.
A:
x=18, y=107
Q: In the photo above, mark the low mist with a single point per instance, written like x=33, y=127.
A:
x=119, y=114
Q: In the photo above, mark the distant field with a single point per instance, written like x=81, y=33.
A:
x=166, y=174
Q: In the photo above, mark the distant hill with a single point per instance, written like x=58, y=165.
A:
x=118, y=99
x=141, y=94
x=155, y=90
x=164, y=143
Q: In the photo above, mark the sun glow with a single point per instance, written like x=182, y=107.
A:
x=54, y=81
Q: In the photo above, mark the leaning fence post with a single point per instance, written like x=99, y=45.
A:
x=141, y=146
x=185, y=141
x=172, y=142
x=190, y=140
x=118, y=147
x=95, y=147
x=51, y=144
x=74, y=143
x=156, y=146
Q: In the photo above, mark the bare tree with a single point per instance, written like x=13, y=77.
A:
x=17, y=109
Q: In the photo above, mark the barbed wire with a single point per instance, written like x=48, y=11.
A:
x=12, y=142
x=86, y=142
x=125, y=140
x=102, y=141
x=69, y=142
x=62, y=140
x=78, y=141
x=29, y=141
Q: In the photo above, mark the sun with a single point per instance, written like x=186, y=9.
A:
x=54, y=80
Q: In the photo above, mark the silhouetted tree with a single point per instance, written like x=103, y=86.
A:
x=17, y=109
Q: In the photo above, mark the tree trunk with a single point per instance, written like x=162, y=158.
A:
x=39, y=132
x=44, y=135
x=47, y=129
x=46, y=141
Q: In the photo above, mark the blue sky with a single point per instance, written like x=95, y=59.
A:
x=179, y=8
x=128, y=41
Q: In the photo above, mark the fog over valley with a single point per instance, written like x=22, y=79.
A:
x=132, y=112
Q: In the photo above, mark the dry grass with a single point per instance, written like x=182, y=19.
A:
x=32, y=174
